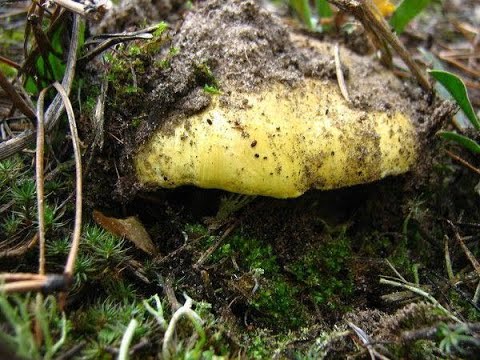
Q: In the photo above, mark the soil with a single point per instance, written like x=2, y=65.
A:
x=241, y=47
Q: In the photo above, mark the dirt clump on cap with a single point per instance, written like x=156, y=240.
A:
x=240, y=47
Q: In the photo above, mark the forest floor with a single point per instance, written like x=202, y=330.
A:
x=386, y=269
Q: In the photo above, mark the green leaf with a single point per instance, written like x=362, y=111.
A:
x=466, y=142
x=460, y=120
x=457, y=89
x=405, y=12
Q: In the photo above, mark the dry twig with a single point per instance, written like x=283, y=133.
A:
x=72, y=256
x=463, y=162
x=215, y=246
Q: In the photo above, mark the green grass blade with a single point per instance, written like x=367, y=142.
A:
x=405, y=12
x=464, y=141
x=302, y=8
x=323, y=9
x=457, y=89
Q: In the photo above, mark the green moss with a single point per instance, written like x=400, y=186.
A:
x=11, y=224
x=160, y=30
x=103, y=324
x=8, y=71
x=274, y=297
x=421, y=350
x=107, y=250
x=163, y=64
x=322, y=271
x=205, y=76
x=277, y=300
x=134, y=50
x=173, y=51
x=254, y=254
x=124, y=68
x=325, y=270
x=258, y=347
x=213, y=90
x=136, y=122
x=196, y=229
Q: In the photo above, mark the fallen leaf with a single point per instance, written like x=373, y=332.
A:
x=131, y=228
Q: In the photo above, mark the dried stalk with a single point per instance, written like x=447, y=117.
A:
x=40, y=179
x=72, y=256
x=475, y=263
x=366, y=14
x=33, y=282
x=114, y=40
x=13, y=277
x=463, y=162
x=22, y=286
x=215, y=246
x=432, y=332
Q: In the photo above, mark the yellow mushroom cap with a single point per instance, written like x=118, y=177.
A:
x=279, y=142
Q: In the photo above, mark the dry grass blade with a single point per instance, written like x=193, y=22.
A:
x=340, y=77
x=73, y=6
x=17, y=100
x=465, y=68
x=448, y=261
x=40, y=179
x=55, y=110
x=421, y=292
x=7, y=278
x=111, y=42
x=432, y=332
x=20, y=250
x=46, y=284
x=72, y=256
x=366, y=342
x=215, y=246
x=36, y=14
x=463, y=162
x=22, y=286
x=93, y=9
x=390, y=265
x=99, y=115
x=475, y=263
x=10, y=62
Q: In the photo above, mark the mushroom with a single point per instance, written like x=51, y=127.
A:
x=282, y=139
x=284, y=142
